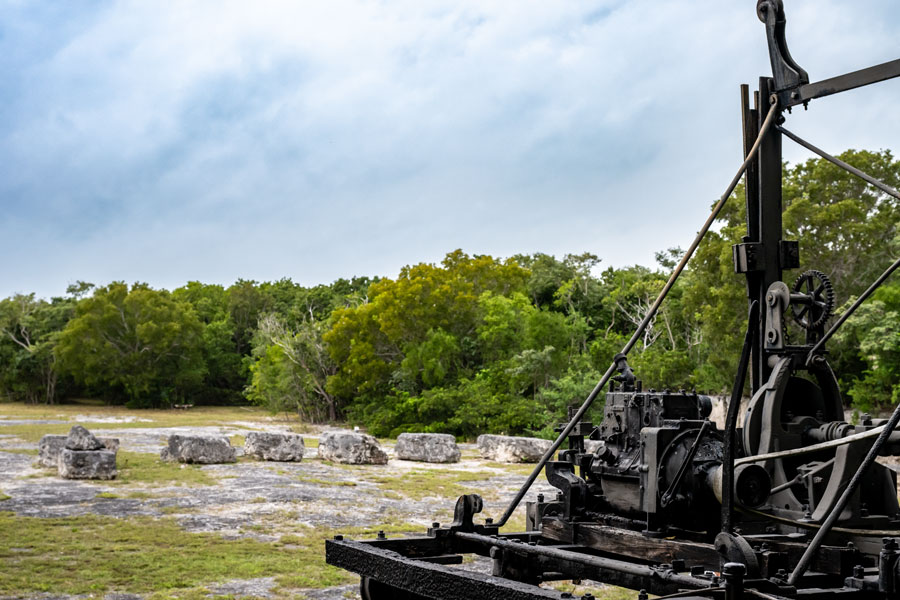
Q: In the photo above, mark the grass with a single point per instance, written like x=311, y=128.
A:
x=157, y=558
x=140, y=467
x=144, y=555
x=327, y=482
x=27, y=451
x=422, y=483
x=196, y=417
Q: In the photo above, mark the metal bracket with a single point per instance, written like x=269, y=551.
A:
x=785, y=70
x=792, y=84
x=778, y=298
x=748, y=257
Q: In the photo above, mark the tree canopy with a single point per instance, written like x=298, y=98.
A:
x=469, y=345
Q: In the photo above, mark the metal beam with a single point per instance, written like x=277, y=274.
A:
x=841, y=83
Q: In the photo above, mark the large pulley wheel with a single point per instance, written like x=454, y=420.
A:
x=814, y=310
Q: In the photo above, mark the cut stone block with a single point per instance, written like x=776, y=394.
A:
x=201, y=449
x=283, y=447
x=427, y=447
x=512, y=449
x=87, y=464
x=351, y=448
x=48, y=450
x=81, y=439
x=109, y=443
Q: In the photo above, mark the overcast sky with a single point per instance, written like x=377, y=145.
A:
x=174, y=141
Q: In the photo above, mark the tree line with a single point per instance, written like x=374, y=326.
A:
x=470, y=345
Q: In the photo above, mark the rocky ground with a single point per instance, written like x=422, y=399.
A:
x=247, y=499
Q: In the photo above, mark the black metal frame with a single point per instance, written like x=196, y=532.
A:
x=560, y=548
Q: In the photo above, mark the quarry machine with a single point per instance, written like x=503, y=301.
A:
x=792, y=504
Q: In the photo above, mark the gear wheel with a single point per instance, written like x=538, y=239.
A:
x=817, y=287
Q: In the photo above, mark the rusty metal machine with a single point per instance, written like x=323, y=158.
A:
x=790, y=505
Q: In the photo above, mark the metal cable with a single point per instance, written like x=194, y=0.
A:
x=851, y=310
x=651, y=313
x=814, y=448
x=835, y=160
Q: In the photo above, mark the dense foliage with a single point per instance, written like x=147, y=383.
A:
x=473, y=344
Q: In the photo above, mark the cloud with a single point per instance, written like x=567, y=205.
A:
x=217, y=140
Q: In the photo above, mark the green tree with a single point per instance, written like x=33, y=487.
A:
x=291, y=370
x=140, y=343
x=29, y=331
x=874, y=333
x=845, y=228
x=225, y=376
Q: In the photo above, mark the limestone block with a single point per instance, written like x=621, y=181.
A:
x=87, y=464
x=201, y=449
x=351, y=448
x=109, y=443
x=48, y=450
x=511, y=449
x=81, y=439
x=427, y=447
x=274, y=446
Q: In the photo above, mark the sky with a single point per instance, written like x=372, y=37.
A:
x=165, y=142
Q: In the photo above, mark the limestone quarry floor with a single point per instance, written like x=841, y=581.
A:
x=245, y=530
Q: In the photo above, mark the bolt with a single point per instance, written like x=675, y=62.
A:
x=588, y=596
x=338, y=538
x=858, y=572
x=435, y=525
x=488, y=521
x=540, y=497
x=495, y=552
x=642, y=595
x=781, y=574
x=381, y=535
x=566, y=595
x=889, y=543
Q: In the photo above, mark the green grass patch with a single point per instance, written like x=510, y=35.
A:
x=139, y=495
x=195, y=417
x=4, y=497
x=421, y=483
x=523, y=469
x=327, y=482
x=141, y=467
x=108, y=495
x=145, y=555
x=26, y=451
